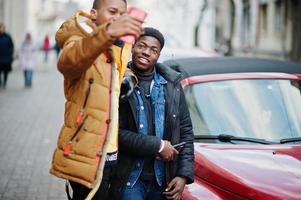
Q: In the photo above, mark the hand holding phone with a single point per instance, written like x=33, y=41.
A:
x=179, y=146
x=168, y=153
x=139, y=14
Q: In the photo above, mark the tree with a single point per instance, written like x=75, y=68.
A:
x=296, y=39
x=229, y=40
x=199, y=22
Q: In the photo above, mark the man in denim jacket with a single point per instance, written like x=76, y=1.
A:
x=151, y=120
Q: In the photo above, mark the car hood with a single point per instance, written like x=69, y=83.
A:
x=251, y=171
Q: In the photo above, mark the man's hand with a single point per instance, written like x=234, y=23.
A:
x=127, y=87
x=125, y=25
x=168, y=153
x=175, y=188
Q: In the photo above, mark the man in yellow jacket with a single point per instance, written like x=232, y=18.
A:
x=93, y=63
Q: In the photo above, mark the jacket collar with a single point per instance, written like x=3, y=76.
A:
x=158, y=79
x=167, y=73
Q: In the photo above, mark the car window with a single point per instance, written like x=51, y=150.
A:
x=258, y=108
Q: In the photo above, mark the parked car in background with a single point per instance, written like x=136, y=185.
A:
x=168, y=53
x=246, y=116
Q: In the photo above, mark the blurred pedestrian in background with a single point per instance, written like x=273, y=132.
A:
x=6, y=55
x=46, y=48
x=27, y=59
x=57, y=49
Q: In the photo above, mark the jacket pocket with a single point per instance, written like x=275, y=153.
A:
x=69, y=146
x=86, y=142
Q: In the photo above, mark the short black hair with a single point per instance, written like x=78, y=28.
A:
x=152, y=32
x=96, y=3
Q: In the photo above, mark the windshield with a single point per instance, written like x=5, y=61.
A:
x=259, y=108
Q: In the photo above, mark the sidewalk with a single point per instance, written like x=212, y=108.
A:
x=30, y=121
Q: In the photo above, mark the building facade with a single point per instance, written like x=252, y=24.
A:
x=255, y=28
x=39, y=17
x=260, y=28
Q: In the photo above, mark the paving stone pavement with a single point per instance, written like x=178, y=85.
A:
x=30, y=120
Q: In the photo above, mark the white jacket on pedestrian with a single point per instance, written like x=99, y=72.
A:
x=27, y=57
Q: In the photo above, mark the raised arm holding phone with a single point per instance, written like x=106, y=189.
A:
x=93, y=62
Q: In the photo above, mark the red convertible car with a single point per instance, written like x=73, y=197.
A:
x=246, y=116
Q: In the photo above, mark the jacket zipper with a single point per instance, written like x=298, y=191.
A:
x=171, y=120
x=80, y=115
x=80, y=119
x=99, y=152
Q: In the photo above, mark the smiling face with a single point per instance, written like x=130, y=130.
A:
x=145, y=54
x=108, y=10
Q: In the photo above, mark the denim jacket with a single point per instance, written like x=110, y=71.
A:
x=158, y=112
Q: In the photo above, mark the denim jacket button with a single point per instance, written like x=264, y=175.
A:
x=141, y=125
x=128, y=183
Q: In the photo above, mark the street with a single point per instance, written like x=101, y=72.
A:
x=30, y=121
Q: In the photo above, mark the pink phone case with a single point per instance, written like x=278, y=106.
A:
x=139, y=14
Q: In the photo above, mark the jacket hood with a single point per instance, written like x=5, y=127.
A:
x=168, y=73
x=79, y=25
x=251, y=171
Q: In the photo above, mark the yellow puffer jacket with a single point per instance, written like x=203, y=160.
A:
x=92, y=78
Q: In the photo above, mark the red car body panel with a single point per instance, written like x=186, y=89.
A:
x=237, y=76
x=245, y=171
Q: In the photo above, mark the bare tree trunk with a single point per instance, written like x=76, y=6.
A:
x=284, y=28
x=296, y=39
x=199, y=22
x=229, y=41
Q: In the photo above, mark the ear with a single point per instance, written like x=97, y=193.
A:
x=93, y=13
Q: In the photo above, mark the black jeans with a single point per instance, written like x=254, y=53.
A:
x=80, y=192
x=4, y=79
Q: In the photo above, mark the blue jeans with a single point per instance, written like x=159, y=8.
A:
x=143, y=190
x=28, y=77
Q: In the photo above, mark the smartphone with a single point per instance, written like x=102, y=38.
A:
x=179, y=146
x=139, y=14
